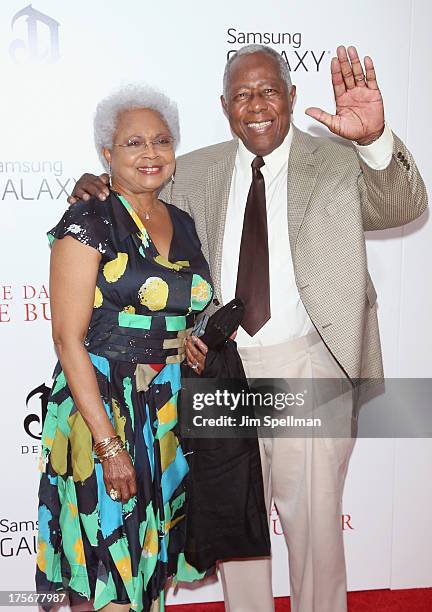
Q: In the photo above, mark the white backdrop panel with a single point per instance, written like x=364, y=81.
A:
x=412, y=519
x=47, y=110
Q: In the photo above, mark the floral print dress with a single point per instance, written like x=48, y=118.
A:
x=89, y=545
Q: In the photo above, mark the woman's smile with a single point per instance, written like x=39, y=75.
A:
x=149, y=169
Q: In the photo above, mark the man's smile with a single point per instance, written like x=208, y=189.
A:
x=259, y=127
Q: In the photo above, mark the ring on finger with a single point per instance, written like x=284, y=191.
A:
x=114, y=494
x=359, y=78
x=195, y=366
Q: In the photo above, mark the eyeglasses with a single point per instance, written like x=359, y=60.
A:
x=162, y=143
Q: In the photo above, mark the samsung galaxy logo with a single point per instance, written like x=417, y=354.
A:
x=263, y=38
x=289, y=43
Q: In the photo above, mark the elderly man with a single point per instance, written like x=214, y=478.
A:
x=281, y=217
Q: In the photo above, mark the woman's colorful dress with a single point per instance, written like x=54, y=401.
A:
x=145, y=305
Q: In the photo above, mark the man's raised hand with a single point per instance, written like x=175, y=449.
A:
x=359, y=104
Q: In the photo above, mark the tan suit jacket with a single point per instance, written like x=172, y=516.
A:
x=333, y=197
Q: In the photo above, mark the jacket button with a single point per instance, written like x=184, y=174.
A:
x=216, y=302
x=399, y=155
x=408, y=166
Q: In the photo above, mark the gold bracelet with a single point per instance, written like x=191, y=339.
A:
x=108, y=447
x=112, y=453
x=112, y=448
x=106, y=442
x=116, y=444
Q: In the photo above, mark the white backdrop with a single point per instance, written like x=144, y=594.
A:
x=57, y=60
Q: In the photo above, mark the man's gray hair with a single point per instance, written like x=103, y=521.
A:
x=248, y=49
x=131, y=97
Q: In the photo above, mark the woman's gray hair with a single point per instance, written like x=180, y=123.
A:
x=248, y=49
x=126, y=98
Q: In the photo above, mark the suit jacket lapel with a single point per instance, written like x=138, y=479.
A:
x=218, y=186
x=303, y=167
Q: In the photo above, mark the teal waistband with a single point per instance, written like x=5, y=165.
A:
x=170, y=323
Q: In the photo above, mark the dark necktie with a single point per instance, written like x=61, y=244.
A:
x=253, y=282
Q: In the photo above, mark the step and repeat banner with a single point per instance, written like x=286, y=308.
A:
x=57, y=60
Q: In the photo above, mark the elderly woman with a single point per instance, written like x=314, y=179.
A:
x=127, y=278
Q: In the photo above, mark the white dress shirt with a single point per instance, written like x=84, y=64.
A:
x=289, y=318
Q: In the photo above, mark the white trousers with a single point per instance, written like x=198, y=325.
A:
x=305, y=478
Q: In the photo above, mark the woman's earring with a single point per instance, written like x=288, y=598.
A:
x=171, y=186
x=109, y=174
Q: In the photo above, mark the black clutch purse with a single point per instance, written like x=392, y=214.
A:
x=226, y=512
x=214, y=331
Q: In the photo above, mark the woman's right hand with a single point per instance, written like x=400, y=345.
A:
x=119, y=474
x=90, y=185
x=196, y=352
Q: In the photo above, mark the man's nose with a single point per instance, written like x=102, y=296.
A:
x=257, y=103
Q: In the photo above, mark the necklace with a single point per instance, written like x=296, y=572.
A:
x=147, y=212
x=132, y=210
x=140, y=225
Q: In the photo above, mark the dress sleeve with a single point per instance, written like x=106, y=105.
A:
x=86, y=222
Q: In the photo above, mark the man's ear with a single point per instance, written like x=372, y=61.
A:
x=224, y=105
x=293, y=97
